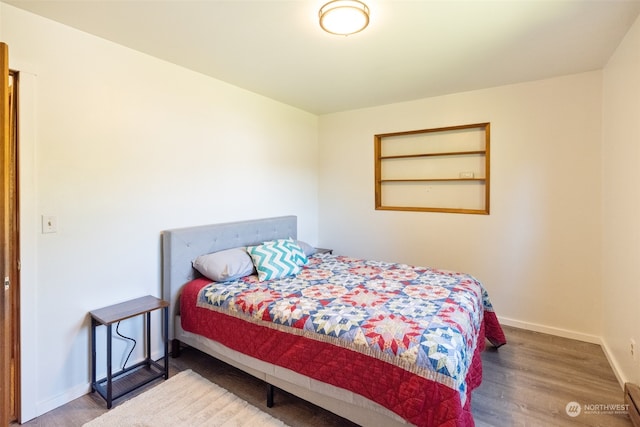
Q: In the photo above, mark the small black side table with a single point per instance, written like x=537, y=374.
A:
x=114, y=313
x=324, y=251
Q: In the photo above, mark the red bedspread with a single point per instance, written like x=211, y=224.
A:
x=419, y=400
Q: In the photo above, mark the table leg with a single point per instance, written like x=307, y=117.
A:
x=109, y=373
x=165, y=337
x=93, y=355
x=148, y=353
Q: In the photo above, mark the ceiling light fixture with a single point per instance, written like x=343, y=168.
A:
x=344, y=17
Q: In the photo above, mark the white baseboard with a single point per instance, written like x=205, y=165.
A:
x=565, y=333
x=613, y=363
x=45, y=406
x=78, y=391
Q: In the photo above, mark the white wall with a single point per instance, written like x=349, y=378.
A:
x=538, y=252
x=621, y=205
x=119, y=146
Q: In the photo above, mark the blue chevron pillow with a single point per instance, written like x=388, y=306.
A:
x=298, y=253
x=273, y=260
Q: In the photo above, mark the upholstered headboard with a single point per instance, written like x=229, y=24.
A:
x=182, y=245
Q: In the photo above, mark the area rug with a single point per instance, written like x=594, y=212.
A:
x=186, y=399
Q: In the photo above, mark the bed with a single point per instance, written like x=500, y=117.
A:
x=390, y=355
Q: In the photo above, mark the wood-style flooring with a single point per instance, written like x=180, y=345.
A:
x=528, y=382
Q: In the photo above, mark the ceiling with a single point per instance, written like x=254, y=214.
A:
x=411, y=49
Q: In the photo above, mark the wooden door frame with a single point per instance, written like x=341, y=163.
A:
x=5, y=308
x=9, y=288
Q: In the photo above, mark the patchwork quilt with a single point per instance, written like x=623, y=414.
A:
x=405, y=337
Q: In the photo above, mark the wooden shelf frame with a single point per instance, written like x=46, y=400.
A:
x=482, y=155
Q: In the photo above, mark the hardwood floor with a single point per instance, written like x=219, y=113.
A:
x=528, y=382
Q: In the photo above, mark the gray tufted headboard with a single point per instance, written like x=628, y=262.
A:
x=182, y=245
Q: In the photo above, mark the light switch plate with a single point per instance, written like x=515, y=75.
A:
x=49, y=224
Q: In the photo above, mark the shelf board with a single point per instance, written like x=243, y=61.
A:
x=431, y=179
x=130, y=379
x=433, y=209
x=448, y=153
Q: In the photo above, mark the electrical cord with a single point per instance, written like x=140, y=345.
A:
x=126, y=338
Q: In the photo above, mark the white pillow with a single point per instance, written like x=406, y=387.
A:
x=223, y=266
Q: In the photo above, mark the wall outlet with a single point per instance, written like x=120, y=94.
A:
x=633, y=350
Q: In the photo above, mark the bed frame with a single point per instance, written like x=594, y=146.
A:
x=181, y=246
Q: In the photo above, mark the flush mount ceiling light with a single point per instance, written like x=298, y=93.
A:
x=344, y=17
